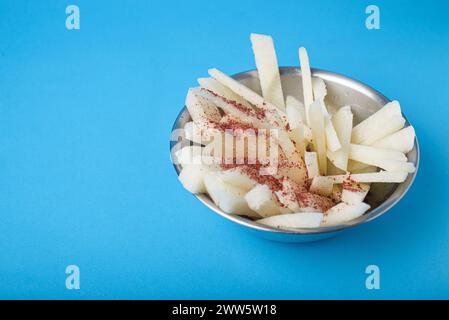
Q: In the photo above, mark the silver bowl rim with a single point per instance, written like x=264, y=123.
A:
x=371, y=215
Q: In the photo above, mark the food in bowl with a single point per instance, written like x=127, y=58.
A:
x=284, y=162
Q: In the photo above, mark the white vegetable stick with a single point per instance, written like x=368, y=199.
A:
x=366, y=154
x=344, y=212
x=354, y=193
x=294, y=116
x=332, y=141
x=322, y=186
x=268, y=69
x=382, y=176
x=359, y=167
x=277, y=117
x=292, y=101
x=372, y=124
x=294, y=220
x=187, y=154
x=216, y=87
x=238, y=178
x=403, y=140
x=227, y=197
x=342, y=121
x=316, y=118
x=297, y=136
x=260, y=199
x=394, y=124
x=319, y=88
x=311, y=160
x=192, y=178
x=200, y=109
x=306, y=80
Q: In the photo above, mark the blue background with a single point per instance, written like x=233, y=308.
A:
x=85, y=175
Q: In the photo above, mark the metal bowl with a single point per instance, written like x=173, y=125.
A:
x=342, y=90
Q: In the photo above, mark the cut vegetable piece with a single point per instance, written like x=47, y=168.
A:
x=316, y=118
x=268, y=69
x=227, y=197
x=192, y=178
x=366, y=154
x=382, y=176
x=200, y=109
x=296, y=104
x=375, y=122
x=393, y=125
x=294, y=220
x=342, y=121
x=359, y=167
x=260, y=199
x=297, y=136
x=322, y=186
x=294, y=116
x=306, y=77
x=336, y=193
x=216, y=87
x=353, y=192
x=188, y=154
x=276, y=117
x=402, y=141
x=319, y=88
x=332, y=141
x=238, y=178
x=311, y=160
x=343, y=212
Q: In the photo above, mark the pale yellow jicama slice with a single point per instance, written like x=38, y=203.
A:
x=294, y=220
x=297, y=136
x=192, y=177
x=200, y=109
x=268, y=69
x=298, y=112
x=366, y=154
x=342, y=121
x=316, y=118
x=376, y=122
x=306, y=77
x=311, y=160
x=359, y=167
x=276, y=117
x=319, y=88
x=381, y=177
x=227, y=197
x=187, y=154
x=343, y=212
x=322, y=186
x=393, y=125
x=261, y=200
x=353, y=192
x=238, y=178
x=216, y=87
x=402, y=141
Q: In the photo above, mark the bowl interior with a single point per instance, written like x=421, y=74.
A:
x=342, y=91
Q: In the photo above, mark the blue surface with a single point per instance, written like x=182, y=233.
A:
x=85, y=175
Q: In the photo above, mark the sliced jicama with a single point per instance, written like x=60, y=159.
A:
x=319, y=88
x=353, y=192
x=402, y=141
x=363, y=153
x=273, y=114
x=192, y=178
x=381, y=176
x=311, y=160
x=306, y=77
x=294, y=220
x=375, y=122
x=268, y=69
x=200, y=109
x=297, y=136
x=316, y=118
x=227, y=197
x=342, y=121
x=294, y=115
x=322, y=186
x=216, y=87
x=298, y=105
x=260, y=199
x=393, y=125
x=238, y=178
x=187, y=154
x=343, y=212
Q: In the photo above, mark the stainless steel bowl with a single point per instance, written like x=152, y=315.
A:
x=342, y=90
